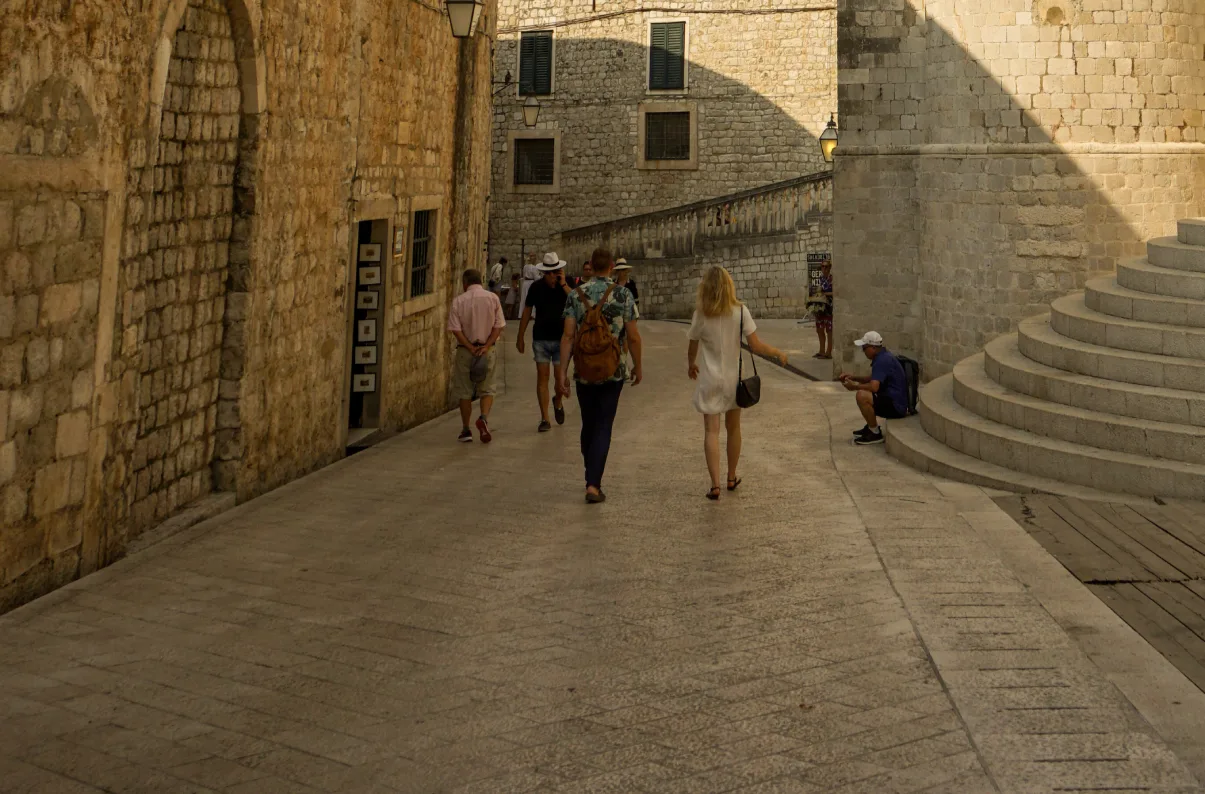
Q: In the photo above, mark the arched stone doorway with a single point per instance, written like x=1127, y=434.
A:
x=199, y=203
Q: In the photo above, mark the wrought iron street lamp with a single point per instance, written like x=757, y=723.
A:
x=531, y=111
x=464, y=15
x=828, y=139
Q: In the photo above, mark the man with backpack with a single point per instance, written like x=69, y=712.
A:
x=883, y=394
x=600, y=317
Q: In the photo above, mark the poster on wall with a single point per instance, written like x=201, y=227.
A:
x=370, y=276
x=366, y=355
x=815, y=261
x=367, y=331
x=399, y=241
x=368, y=300
x=364, y=383
x=370, y=252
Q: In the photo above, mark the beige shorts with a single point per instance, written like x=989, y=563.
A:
x=462, y=384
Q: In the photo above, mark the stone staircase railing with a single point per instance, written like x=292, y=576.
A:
x=681, y=232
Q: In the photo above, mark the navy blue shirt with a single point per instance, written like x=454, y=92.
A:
x=893, y=384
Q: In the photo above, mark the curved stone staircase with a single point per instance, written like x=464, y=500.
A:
x=1104, y=395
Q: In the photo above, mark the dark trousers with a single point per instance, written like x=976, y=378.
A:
x=598, y=404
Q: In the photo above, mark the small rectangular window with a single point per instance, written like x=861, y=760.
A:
x=667, y=136
x=535, y=62
x=422, y=254
x=535, y=161
x=667, y=56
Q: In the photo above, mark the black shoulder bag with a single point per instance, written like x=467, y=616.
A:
x=748, y=390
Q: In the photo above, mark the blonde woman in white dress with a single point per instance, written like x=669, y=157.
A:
x=714, y=359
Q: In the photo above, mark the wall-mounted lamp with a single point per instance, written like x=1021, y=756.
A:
x=464, y=15
x=828, y=139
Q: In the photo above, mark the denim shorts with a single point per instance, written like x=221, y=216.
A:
x=547, y=352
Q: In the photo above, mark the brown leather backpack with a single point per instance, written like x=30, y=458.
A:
x=596, y=351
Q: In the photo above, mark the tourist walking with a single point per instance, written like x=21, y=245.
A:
x=511, y=302
x=720, y=323
x=623, y=277
x=599, y=316
x=476, y=321
x=496, y=273
x=532, y=274
x=547, y=299
x=820, y=302
x=884, y=394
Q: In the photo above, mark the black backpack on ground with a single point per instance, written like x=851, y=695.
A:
x=912, y=374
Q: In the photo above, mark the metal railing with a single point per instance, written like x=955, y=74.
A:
x=679, y=232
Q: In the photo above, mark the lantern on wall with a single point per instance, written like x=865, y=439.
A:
x=464, y=15
x=828, y=139
x=531, y=111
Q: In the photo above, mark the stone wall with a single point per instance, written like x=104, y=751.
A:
x=761, y=79
x=762, y=236
x=180, y=182
x=993, y=158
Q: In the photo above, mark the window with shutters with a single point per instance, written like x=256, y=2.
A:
x=667, y=136
x=535, y=63
x=535, y=161
x=667, y=56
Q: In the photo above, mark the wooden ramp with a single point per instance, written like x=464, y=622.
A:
x=1146, y=561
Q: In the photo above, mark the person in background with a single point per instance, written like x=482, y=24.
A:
x=476, y=321
x=883, y=394
x=713, y=363
x=511, y=301
x=623, y=277
x=496, y=273
x=532, y=274
x=547, y=298
x=820, y=302
x=599, y=399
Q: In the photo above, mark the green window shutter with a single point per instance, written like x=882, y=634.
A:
x=667, y=56
x=535, y=63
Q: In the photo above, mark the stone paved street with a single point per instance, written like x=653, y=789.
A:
x=428, y=617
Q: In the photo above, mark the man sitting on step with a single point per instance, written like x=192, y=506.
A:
x=883, y=394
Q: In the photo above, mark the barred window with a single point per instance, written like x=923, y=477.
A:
x=422, y=254
x=535, y=161
x=667, y=136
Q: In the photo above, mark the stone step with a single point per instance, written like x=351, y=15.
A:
x=1106, y=296
x=1071, y=317
x=908, y=442
x=981, y=395
x=1191, y=231
x=1040, y=342
x=1028, y=453
x=1172, y=253
x=1138, y=274
x=1005, y=364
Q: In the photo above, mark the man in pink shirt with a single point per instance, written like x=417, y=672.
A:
x=476, y=320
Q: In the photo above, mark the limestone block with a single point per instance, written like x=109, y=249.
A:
x=51, y=489
x=61, y=303
x=8, y=462
x=71, y=437
x=32, y=224
x=25, y=408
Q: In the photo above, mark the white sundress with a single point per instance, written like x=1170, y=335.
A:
x=719, y=358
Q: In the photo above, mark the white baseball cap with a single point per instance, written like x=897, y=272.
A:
x=872, y=338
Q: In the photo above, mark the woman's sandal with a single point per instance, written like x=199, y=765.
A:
x=734, y=484
x=714, y=493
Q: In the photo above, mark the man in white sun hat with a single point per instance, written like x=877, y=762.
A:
x=884, y=393
x=546, y=298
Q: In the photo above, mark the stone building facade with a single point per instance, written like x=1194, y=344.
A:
x=212, y=215
x=994, y=156
x=758, y=81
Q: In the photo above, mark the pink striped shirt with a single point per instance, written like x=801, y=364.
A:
x=476, y=313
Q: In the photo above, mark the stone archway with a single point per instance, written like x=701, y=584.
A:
x=207, y=91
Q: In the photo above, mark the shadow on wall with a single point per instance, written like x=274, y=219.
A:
x=743, y=139
x=968, y=202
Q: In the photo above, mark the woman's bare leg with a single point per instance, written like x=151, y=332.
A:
x=733, y=421
x=711, y=447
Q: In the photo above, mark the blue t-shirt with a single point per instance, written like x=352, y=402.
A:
x=893, y=383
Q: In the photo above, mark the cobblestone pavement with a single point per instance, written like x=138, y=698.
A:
x=429, y=616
